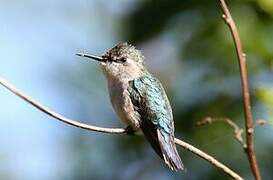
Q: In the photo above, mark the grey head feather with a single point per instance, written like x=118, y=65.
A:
x=123, y=62
x=125, y=50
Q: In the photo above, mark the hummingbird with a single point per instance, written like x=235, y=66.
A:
x=139, y=100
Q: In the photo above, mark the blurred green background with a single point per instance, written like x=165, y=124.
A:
x=186, y=45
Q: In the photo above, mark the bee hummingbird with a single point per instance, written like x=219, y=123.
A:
x=139, y=100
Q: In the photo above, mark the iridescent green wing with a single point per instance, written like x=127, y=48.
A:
x=150, y=100
x=152, y=104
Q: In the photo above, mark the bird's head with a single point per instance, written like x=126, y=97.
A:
x=123, y=60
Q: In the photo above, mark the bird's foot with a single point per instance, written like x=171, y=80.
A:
x=130, y=131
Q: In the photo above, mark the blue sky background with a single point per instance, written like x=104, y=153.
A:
x=38, y=42
x=39, y=39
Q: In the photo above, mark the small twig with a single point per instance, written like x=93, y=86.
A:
x=260, y=122
x=59, y=117
x=245, y=90
x=237, y=130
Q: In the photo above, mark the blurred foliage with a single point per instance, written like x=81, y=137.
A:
x=201, y=36
x=203, y=41
x=265, y=96
x=207, y=83
x=203, y=80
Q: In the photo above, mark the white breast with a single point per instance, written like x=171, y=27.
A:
x=120, y=99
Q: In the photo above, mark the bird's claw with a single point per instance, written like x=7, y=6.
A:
x=130, y=131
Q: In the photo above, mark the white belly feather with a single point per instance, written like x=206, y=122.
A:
x=120, y=99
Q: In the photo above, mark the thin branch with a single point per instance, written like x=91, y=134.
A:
x=237, y=130
x=208, y=158
x=59, y=117
x=245, y=90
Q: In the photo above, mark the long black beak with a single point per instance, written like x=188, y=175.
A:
x=97, y=58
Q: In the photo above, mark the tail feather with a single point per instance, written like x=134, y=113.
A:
x=166, y=150
x=169, y=152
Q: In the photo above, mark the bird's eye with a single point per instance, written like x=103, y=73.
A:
x=123, y=59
